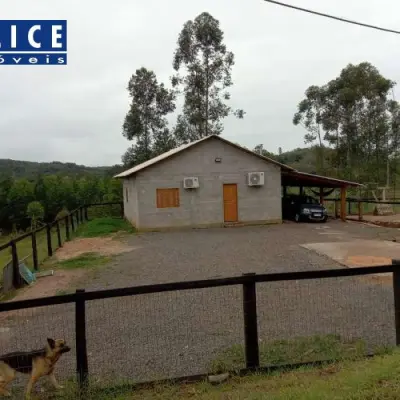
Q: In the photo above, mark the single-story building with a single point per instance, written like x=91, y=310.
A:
x=211, y=182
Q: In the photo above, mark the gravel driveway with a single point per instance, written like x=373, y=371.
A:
x=177, y=333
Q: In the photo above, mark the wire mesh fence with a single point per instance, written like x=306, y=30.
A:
x=320, y=319
x=166, y=331
x=162, y=335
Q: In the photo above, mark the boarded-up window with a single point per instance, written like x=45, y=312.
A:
x=167, y=198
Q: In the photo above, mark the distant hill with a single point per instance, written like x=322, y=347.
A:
x=31, y=170
x=302, y=159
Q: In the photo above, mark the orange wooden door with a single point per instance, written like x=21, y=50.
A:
x=230, y=203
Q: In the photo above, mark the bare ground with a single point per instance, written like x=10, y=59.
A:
x=102, y=245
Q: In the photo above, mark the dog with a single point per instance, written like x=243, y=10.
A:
x=37, y=363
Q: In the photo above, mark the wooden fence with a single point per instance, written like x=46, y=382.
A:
x=250, y=322
x=70, y=223
x=359, y=205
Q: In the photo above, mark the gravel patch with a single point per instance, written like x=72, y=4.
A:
x=174, y=334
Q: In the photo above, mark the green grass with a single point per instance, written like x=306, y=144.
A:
x=376, y=378
x=87, y=260
x=299, y=350
x=104, y=226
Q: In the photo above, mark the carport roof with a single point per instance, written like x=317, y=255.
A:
x=297, y=178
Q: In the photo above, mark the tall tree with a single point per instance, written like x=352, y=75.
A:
x=207, y=66
x=146, y=119
x=353, y=114
x=309, y=114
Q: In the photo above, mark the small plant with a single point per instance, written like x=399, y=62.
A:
x=87, y=260
x=218, y=367
x=35, y=212
x=103, y=227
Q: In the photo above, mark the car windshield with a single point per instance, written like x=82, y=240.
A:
x=310, y=200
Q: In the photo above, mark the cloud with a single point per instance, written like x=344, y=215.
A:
x=75, y=113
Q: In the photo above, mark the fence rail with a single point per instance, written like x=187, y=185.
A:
x=70, y=222
x=248, y=282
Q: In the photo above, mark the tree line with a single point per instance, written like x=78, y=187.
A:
x=26, y=203
x=352, y=124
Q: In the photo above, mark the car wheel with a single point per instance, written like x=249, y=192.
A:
x=297, y=217
x=325, y=219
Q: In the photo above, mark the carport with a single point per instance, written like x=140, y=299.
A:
x=302, y=179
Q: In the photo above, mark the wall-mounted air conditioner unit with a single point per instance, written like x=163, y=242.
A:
x=255, y=178
x=191, y=182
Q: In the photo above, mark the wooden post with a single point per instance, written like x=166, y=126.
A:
x=81, y=214
x=349, y=208
x=86, y=213
x=17, y=281
x=72, y=222
x=58, y=234
x=360, y=211
x=67, y=228
x=122, y=210
x=396, y=292
x=49, y=247
x=34, y=252
x=321, y=195
x=250, y=323
x=82, y=368
x=343, y=203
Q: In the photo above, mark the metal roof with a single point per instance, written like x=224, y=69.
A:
x=289, y=174
x=303, y=178
x=179, y=149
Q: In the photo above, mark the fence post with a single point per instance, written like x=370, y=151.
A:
x=72, y=222
x=250, y=323
x=34, y=252
x=67, y=228
x=349, y=208
x=77, y=217
x=17, y=282
x=396, y=292
x=360, y=213
x=81, y=214
x=58, y=234
x=48, y=234
x=86, y=213
x=82, y=368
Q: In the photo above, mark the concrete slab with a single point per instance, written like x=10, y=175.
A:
x=358, y=252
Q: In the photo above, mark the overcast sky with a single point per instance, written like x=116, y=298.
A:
x=74, y=113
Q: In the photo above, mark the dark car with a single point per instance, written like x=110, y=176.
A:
x=303, y=208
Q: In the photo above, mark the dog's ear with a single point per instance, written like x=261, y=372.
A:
x=51, y=343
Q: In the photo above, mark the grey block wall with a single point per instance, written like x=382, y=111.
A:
x=130, y=200
x=204, y=206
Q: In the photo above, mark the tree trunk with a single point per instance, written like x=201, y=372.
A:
x=207, y=93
